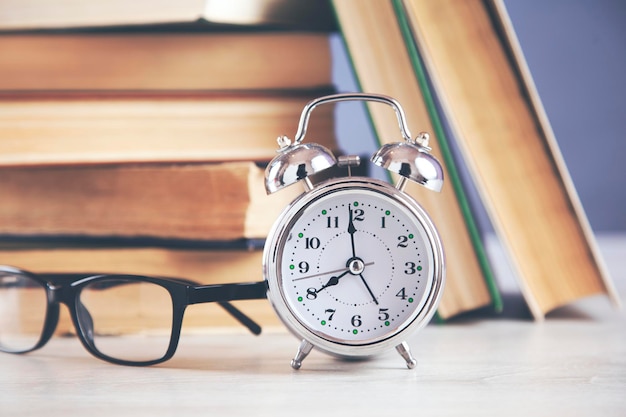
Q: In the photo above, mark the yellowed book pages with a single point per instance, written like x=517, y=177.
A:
x=44, y=14
x=164, y=61
x=192, y=202
x=98, y=129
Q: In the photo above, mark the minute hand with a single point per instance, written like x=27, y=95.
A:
x=351, y=230
x=368, y=289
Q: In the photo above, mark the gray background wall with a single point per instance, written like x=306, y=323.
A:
x=576, y=50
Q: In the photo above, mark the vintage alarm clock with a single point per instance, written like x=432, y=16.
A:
x=353, y=265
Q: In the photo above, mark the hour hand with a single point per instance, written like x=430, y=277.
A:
x=334, y=280
x=351, y=228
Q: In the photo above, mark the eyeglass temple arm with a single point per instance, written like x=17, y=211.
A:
x=222, y=293
x=237, y=314
x=242, y=318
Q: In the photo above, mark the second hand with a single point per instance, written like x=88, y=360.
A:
x=328, y=272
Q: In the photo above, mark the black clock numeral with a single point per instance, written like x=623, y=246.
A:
x=382, y=222
x=332, y=222
x=311, y=293
x=402, y=294
x=403, y=241
x=312, y=243
x=382, y=314
x=411, y=268
x=304, y=267
x=358, y=215
x=356, y=320
x=332, y=313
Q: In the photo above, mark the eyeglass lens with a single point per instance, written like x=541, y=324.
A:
x=126, y=319
x=23, y=307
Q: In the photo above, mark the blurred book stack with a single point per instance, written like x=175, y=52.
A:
x=133, y=138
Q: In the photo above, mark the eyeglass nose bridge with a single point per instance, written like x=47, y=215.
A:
x=60, y=294
x=54, y=295
x=64, y=294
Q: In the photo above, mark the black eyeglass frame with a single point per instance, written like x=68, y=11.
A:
x=62, y=288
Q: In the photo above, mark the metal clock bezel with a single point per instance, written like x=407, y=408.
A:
x=271, y=269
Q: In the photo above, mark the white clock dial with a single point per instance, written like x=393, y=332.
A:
x=355, y=265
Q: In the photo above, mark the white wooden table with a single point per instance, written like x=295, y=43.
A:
x=573, y=364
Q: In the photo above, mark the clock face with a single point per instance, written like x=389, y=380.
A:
x=355, y=264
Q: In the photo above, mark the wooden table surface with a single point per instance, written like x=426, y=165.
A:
x=573, y=364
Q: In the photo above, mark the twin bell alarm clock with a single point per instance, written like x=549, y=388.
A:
x=353, y=265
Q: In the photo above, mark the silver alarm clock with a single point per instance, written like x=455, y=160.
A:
x=353, y=265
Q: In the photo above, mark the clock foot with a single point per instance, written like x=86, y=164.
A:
x=404, y=351
x=303, y=351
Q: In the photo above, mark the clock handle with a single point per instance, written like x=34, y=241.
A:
x=306, y=112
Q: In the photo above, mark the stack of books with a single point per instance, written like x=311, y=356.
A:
x=133, y=139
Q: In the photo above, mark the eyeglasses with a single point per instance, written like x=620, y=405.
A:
x=100, y=304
